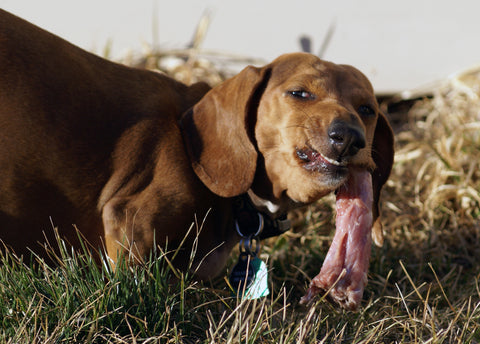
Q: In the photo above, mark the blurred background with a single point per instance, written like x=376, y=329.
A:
x=399, y=45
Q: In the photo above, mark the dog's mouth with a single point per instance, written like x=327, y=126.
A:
x=313, y=160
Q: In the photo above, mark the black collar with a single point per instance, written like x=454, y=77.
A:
x=249, y=219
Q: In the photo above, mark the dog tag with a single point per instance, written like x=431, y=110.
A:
x=259, y=286
x=249, y=278
x=242, y=274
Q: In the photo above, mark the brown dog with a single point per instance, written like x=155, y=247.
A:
x=86, y=143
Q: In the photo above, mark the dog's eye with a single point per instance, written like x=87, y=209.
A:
x=301, y=94
x=366, y=110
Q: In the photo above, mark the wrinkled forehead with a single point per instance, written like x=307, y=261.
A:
x=313, y=74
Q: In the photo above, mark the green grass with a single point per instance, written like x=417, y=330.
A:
x=406, y=301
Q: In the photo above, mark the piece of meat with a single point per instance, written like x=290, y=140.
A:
x=344, y=272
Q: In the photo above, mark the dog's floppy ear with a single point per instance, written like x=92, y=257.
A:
x=219, y=133
x=382, y=153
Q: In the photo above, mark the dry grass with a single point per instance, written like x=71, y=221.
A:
x=433, y=196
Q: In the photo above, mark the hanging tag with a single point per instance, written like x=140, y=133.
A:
x=259, y=286
x=249, y=277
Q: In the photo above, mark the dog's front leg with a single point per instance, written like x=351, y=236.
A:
x=125, y=231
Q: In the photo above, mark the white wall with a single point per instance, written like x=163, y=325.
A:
x=398, y=44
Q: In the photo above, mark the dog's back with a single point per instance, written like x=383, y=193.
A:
x=63, y=113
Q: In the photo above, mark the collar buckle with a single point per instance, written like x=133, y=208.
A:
x=249, y=222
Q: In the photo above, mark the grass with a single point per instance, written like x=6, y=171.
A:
x=78, y=301
x=424, y=283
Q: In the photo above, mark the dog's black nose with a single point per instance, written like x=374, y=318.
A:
x=346, y=139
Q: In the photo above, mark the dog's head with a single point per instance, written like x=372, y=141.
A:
x=289, y=131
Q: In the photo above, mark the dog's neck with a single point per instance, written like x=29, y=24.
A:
x=264, y=205
x=258, y=218
x=275, y=208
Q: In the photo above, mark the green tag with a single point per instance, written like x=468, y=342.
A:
x=259, y=286
x=249, y=277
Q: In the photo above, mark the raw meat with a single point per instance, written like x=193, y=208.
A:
x=344, y=272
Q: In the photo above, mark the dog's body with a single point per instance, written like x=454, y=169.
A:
x=80, y=135
x=132, y=157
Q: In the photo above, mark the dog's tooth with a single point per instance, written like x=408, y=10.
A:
x=331, y=161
